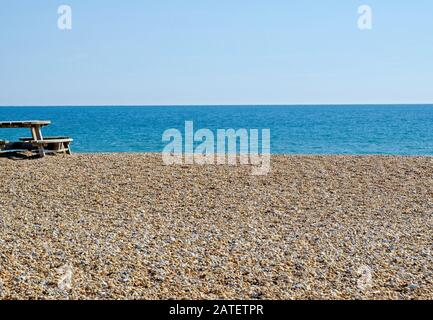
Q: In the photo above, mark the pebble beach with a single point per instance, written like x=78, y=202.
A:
x=125, y=226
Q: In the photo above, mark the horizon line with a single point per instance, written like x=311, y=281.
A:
x=217, y=105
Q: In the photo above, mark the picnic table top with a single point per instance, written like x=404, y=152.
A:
x=24, y=124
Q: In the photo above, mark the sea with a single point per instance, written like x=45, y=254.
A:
x=295, y=129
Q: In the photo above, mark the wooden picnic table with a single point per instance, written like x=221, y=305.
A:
x=24, y=124
x=37, y=139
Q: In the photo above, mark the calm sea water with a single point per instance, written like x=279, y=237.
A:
x=397, y=129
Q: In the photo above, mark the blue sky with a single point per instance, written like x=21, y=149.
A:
x=215, y=52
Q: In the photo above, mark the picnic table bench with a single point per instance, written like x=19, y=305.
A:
x=43, y=145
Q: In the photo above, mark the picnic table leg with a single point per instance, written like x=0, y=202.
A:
x=37, y=135
x=68, y=148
